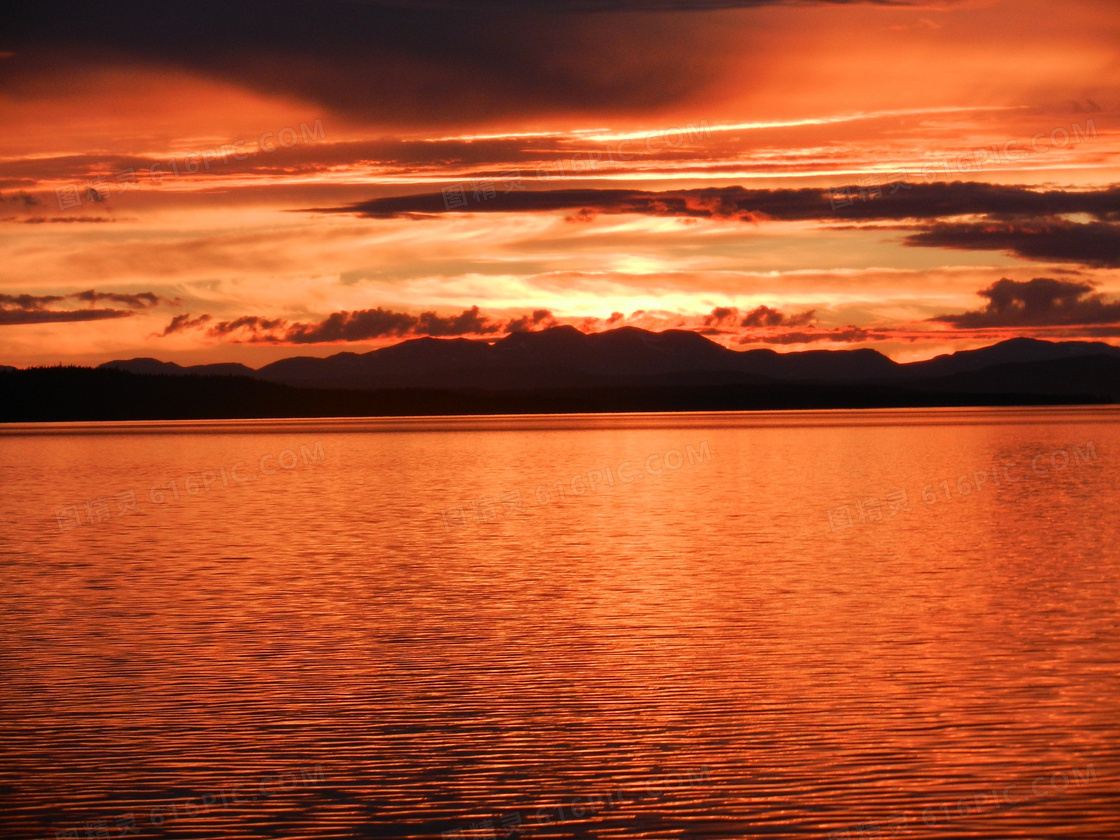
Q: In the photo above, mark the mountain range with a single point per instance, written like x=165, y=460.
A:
x=562, y=370
x=564, y=357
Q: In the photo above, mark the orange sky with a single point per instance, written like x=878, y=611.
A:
x=236, y=191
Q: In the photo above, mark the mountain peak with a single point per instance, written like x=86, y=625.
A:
x=1009, y=351
x=565, y=356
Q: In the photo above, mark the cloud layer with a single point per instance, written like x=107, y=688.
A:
x=1095, y=244
x=1028, y=223
x=35, y=309
x=900, y=201
x=1039, y=302
x=362, y=325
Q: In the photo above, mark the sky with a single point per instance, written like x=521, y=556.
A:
x=212, y=182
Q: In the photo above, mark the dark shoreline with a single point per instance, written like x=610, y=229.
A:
x=71, y=394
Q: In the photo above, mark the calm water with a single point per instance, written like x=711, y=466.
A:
x=434, y=628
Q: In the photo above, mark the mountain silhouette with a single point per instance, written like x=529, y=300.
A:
x=563, y=370
x=1012, y=351
x=565, y=357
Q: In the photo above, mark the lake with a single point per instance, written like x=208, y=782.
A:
x=834, y=624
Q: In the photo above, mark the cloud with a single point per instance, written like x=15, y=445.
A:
x=369, y=325
x=728, y=317
x=1028, y=223
x=380, y=323
x=10, y=317
x=252, y=324
x=33, y=309
x=718, y=317
x=140, y=300
x=570, y=6
x=23, y=199
x=470, y=322
x=384, y=61
x=764, y=316
x=1095, y=244
x=540, y=318
x=918, y=201
x=379, y=61
x=841, y=335
x=1041, y=301
x=29, y=303
x=182, y=323
x=62, y=220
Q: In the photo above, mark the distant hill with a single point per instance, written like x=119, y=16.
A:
x=1097, y=376
x=155, y=366
x=564, y=370
x=1012, y=351
x=86, y=394
x=565, y=357
x=560, y=357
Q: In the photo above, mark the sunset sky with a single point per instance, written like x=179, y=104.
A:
x=205, y=181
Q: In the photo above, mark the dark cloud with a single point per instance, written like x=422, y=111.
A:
x=725, y=317
x=352, y=326
x=920, y=201
x=181, y=323
x=396, y=64
x=28, y=303
x=720, y=316
x=250, y=324
x=390, y=61
x=382, y=323
x=371, y=324
x=33, y=309
x=1039, y=302
x=1029, y=223
x=585, y=214
x=10, y=317
x=541, y=318
x=842, y=335
x=764, y=316
x=140, y=300
x=1094, y=244
x=570, y=6
x=507, y=161
x=55, y=220
x=22, y=199
x=470, y=322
